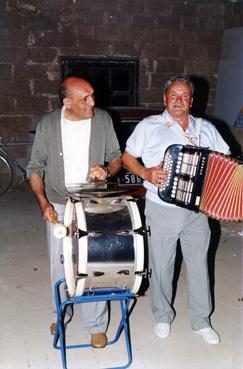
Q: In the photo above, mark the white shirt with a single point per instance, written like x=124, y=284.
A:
x=154, y=134
x=75, y=142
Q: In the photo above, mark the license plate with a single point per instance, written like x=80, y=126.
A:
x=129, y=178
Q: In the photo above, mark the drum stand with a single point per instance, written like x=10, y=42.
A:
x=122, y=295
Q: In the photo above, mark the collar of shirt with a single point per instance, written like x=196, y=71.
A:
x=190, y=133
x=72, y=123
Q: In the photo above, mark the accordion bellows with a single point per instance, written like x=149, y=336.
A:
x=203, y=180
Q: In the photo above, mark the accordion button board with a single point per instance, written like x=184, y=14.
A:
x=203, y=180
x=186, y=167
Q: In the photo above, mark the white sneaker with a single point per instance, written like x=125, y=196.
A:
x=162, y=330
x=209, y=335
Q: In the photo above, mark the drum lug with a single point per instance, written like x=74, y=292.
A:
x=81, y=275
x=125, y=271
x=78, y=233
x=145, y=273
x=148, y=231
x=140, y=231
x=98, y=274
x=61, y=259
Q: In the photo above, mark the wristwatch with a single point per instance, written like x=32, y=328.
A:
x=108, y=175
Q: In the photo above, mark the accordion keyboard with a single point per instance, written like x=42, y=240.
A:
x=185, y=166
x=203, y=180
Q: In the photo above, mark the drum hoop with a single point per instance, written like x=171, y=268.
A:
x=68, y=249
x=139, y=260
x=83, y=248
x=138, y=243
x=134, y=213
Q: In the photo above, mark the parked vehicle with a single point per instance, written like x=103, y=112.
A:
x=125, y=119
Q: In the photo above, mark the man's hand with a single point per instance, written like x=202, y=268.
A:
x=154, y=175
x=49, y=213
x=98, y=173
x=37, y=185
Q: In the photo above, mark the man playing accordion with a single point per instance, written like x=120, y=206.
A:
x=169, y=223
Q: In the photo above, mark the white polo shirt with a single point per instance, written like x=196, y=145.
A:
x=154, y=134
x=75, y=142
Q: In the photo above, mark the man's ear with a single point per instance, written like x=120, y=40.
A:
x=66, y=102
x=191, y=102
x=164, y=101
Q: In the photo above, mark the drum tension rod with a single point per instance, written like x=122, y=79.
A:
x=144, y=273
x=124, y=271
x=81, y=275
x=140, y=230
x=131, y=200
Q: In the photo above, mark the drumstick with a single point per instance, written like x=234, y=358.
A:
x=53, y=219
x=59, y=229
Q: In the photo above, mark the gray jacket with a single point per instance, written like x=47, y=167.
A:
x=47, y=152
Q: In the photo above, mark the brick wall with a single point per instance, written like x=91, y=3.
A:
x=168, y=37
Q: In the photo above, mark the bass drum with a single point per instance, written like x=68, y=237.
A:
x=104, y=244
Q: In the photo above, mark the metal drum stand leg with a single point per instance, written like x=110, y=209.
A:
x=124, y=296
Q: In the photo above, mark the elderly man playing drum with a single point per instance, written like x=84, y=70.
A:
x=71, y=145
x=168, y=222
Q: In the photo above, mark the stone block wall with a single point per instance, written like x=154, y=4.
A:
x=167, y=36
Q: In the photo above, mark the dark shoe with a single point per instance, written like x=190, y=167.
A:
x=98, y=340
x=53, y=328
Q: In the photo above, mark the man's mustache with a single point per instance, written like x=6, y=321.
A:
x=185, y=109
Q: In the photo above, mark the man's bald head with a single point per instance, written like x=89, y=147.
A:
x=71, y=83
x=77, y=96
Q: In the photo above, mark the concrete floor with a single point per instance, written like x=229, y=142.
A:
x=25, y=312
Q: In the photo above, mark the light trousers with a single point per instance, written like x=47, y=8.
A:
x=167, y=225
x=94, y=314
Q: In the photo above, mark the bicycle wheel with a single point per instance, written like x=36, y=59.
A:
x=6, y=175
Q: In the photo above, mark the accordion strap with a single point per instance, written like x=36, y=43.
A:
x=198, y=130
x=197, y=139
x=170, y=124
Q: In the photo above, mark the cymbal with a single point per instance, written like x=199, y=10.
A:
x=99, y=193
x=101, y=189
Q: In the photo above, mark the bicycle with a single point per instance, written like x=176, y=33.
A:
x=7, y=165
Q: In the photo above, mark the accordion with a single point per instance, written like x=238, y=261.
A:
x=203, y=180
